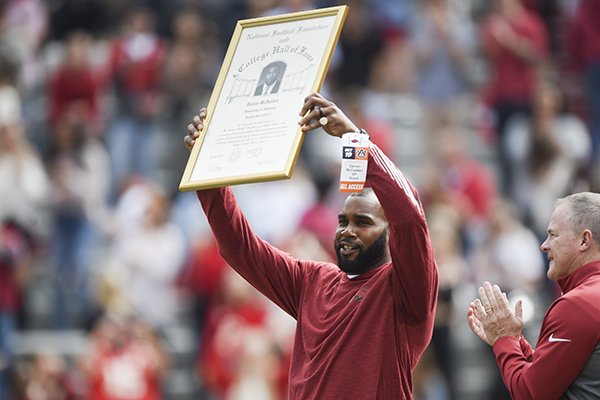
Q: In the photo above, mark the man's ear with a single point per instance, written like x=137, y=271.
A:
x=586, y=239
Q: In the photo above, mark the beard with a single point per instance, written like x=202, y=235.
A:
x=367, y=259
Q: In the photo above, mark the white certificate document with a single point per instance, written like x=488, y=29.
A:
x=251, y=131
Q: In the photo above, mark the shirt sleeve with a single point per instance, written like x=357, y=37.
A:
x=414, y=272
x=526, y=348
x=271, y=271
x=566, y=341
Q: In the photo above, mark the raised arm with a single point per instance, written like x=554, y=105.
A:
x=414, y=273
x=273, y=272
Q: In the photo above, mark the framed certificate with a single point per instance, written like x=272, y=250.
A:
x=251, y=131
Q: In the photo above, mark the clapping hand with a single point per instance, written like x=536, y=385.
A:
x=490, y=316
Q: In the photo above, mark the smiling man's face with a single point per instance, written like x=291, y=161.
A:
x=561, y=244
x=361, y=236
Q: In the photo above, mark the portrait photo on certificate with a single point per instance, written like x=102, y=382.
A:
x=251, y=131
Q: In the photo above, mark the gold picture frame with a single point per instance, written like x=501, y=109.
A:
x=251, y=132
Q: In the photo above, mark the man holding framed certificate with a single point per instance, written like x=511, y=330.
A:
x=361, y=324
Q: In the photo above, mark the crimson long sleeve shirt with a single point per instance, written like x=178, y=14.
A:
x=355, y=338
x=566, y=361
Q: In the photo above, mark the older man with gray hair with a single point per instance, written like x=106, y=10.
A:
x=566, y=361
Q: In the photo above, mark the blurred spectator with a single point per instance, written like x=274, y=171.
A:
x=239, y=358
x=125, y=219
x=515, y=42
x=304, y=243
x=547, y=152
x=129, y=212
x=152, y=257
x=392, y=60
x=24, y=26
x=319, y=222
x=47, y=377
x=126, y=360
x=190, y=68
x=68, y=16
x=235, y=370
x=135, y=64
x=265, y=212
x=510, y=254
x=442, y=44
x=24, y=184
x=258, y=8
x=79, y=173
x=584, y=49
x=203, y=277
x=16, y=262
x=392, y=66
x=360, y=41
x=468, y=184
x=76, y=83
x=190, y=62
x=445, y=230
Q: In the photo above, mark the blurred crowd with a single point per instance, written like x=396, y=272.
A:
x=95, y=97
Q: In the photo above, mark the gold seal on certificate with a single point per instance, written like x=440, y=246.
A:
x=251, y=131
